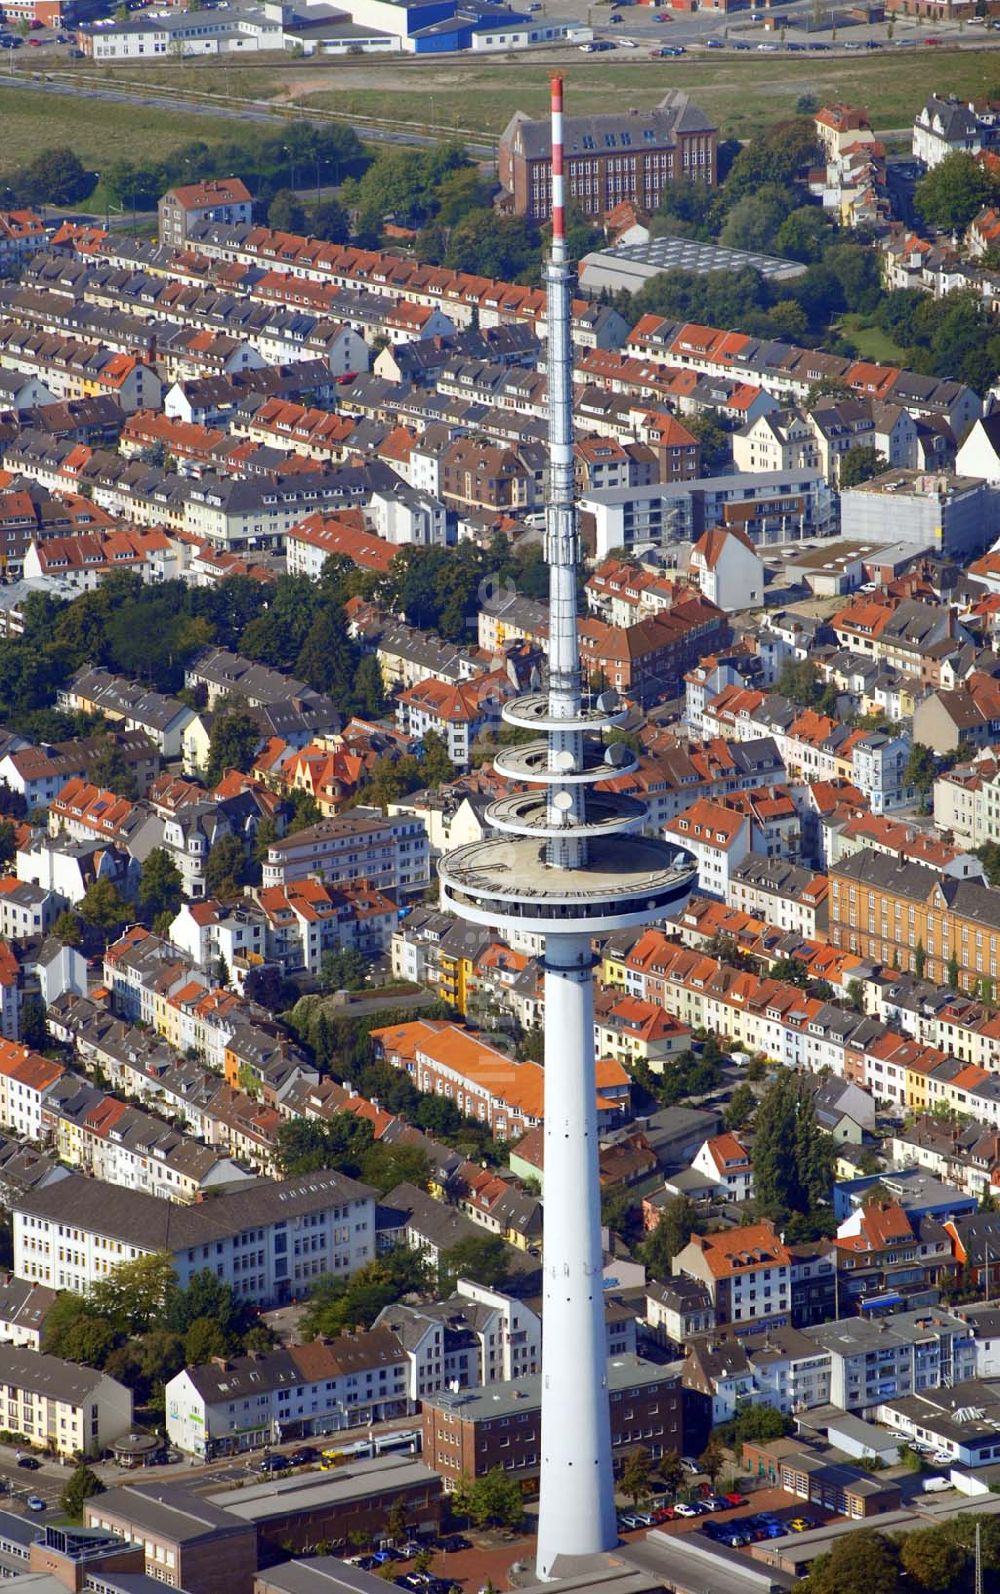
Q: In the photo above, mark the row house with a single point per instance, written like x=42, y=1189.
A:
x=815, y=746
x=230, y=1407
x=789, y=371
x=482, y=1082
x=71, y=369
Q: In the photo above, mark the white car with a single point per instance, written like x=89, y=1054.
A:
x=683, y=1510
x=627, y=44
x=940, y=1459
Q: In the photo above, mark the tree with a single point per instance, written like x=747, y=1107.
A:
x=954, y=976
x=224, y=868
x=495, y=1500
x=637, y=1469
x=68, y=929
x=83, y=1484
x=57, y=176
x=934, y=1561
x=758, y=1424
x=160, y=884
x=102, y=908
x=754, y=220
x=740, y=1109
x=330, y=222
x=919, y=959
x=133, y=1295
x=268, y=986
x=483, y=1258
x=436, y=767
x=286, y=213
x=671, y=1470
x=328, y=658
x=369, y=688
x=713, y=1459
x=346, y=969
x=678, y=1221
x=793, y=1161
x=863, y=1562
x=954, y=191
x=336, y=1304
x=234, y=740
x=34, y=1029
x=859, y=464
x=107, y=768
x=921, y=768
x=8, y=842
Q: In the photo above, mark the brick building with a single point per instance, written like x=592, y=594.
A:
x=898, y=913
x=630, y=156
x=468, y=1432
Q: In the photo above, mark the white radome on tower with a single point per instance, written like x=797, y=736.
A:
x=567, y=864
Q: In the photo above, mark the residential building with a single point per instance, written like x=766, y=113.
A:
x=726, y=1164
x=391, y=854
x=747, y=1273
x=75, y=1410
x=225, y=1407
x=225, y=199
x=266, y=1240
x=728, y=569
x=945, y=125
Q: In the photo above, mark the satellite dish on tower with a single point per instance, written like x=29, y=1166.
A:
x=563, y=760
x=562, y=800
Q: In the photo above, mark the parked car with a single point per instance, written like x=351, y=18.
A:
x=670, y=49
x=29, y=1463
x=454, y=1542
x=801, y=1524
x=273, y=1464
x=664, y=1513
x=34, y=1503
x=683, y=1510
x=691, y=1466
x=303, y=1457
x=735, y=1498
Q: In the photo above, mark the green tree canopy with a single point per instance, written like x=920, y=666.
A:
x=792, y=1159
x=483, y=1258
x=234, y=741
x=954, y=191
x=83, y=1485
x=859, y=464
x=102, y=908
x=160, y=883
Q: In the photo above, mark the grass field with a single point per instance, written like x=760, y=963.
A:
x=99, y=131
x=744, y=92
x=872, y=343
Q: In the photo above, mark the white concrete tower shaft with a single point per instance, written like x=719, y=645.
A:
x=576, y=1509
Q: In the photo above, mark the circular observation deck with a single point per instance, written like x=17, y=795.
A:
x=508, y=882
x=532, y=763
x=531, y=712
x=527, y=814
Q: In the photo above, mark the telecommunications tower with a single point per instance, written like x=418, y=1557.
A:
x=567, y=863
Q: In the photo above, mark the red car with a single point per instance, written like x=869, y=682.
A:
x=664, y=1513
x=735, y=1499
